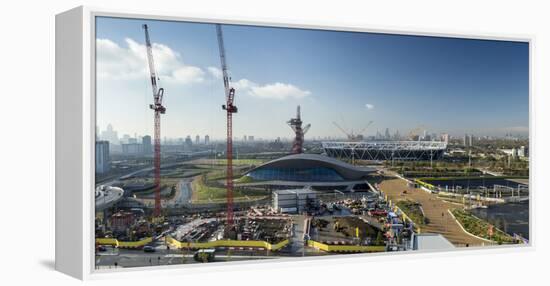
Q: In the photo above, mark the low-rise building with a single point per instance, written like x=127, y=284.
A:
x=121, y=221
x=294, y=200
x=430, y=241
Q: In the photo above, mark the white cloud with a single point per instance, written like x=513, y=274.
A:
x=369, y=106
x=215, y=72
x=130, y=62
x=279, y=91
x=187, y=75
x=270, y=91
x=244, y=85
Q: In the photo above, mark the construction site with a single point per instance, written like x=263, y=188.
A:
x=279, y=200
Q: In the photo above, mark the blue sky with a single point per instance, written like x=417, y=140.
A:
x=399, y=82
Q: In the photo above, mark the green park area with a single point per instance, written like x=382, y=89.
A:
x=481, y=228
x=413, y=210
x=205, y=191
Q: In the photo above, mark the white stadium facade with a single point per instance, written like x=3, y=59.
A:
x=386, y=150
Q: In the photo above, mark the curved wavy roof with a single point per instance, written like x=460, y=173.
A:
x=303, y=161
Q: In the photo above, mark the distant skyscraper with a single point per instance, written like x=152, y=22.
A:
x=465, y=140
x=206, y=140
x=387, y=135
x=244, y=138
x=102, y=157
x=125, y=138
x=110, y=135
x=197, y=139
x=250, y=138
x=188, y=141
x=445, y=137
x=147, y=146
x=471, y=140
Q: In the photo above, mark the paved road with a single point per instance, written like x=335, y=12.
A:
x=138, y=258
x=107, y=197
x=297, y=239
x=435, y=209
x=182, y=197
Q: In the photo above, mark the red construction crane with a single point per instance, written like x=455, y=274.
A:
x=159, y=109
x=230, y=108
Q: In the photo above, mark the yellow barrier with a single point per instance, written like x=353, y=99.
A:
x=345, y=248
x=227, y=243
x=427, y=185
x=106, y=241
x=123, y=244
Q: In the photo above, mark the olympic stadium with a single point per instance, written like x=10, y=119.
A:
x=386, y=150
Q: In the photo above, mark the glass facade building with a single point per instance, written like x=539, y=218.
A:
x=296, y=174
x=308, y=168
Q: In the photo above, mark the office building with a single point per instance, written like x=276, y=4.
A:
x=102, y=157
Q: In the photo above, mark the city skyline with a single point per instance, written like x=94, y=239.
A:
x=136, y=137
x=453, y=86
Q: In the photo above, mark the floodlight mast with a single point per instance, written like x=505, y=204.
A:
x=230, y=108
x=159, y=109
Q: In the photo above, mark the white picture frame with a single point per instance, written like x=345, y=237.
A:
x=75, y=129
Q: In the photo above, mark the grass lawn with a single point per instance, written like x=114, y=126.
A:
x=202, y=193
x=413, y=210
x=244, y=180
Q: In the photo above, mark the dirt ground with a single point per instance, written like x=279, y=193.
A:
x=435, y=209
x=350, y=224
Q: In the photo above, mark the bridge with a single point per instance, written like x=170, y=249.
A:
x=107, y=196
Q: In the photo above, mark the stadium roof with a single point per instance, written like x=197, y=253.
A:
x=304, y=161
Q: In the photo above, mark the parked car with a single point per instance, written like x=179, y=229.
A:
x=148, y=248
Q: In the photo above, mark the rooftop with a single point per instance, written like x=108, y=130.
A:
x=431, y=241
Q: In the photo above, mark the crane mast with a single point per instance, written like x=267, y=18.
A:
x=351, y=135
x=365, y=128
x=342, y=129
x=230, y=108
x=158, y=109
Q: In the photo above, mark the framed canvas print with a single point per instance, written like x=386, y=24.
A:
x=188, y=142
